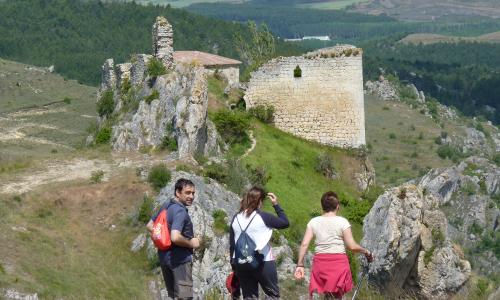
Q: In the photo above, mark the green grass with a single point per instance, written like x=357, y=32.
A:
x=298, y=186
x=35, y=103
x=64, y=253
x=402, y=141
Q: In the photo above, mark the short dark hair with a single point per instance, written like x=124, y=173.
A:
x=329, y=201
x=182, y=183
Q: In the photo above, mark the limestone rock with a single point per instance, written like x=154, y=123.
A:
x=382, y=89
x=211, y=262
x=408, y=236
x=138, y=242
x=12, y=294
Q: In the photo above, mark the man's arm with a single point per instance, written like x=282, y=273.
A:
x=179, y=240
x=149, y=226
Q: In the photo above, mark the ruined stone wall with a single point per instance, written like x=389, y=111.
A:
x=325, y=104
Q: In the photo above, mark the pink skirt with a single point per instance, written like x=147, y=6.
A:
x=330, y=274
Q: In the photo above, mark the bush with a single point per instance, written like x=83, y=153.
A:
x=106, y=105
x=159, y=176
x=67, y=100
x=297, y=72
x=232, y=125
x=265, y=113
x=96, y=176
x=103, y=136
x=216, y=171
x=258, y=175
x=156, y=68
x=324, y=165
x=496, y=159
x=450, y=152
x=220, y=224
x=168, y=143
x=154, y=95
x=145, y=209
x=392, y=136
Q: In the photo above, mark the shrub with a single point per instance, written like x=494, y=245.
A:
x=438, y=237
x=468, y=188
x=496, y=159
x=481, y=287
x=450, y=152
x=232, y=125
x=216, y=171
x=220, y=224
x=156, y=68
x=103, y=136
x=392, y=136
x=258, y=175
x=125, y=86
x=324, y=165
x=67, y=100
x=159, y=176
x=265, y=113
x=297, y=72
x=145, y=209
x=168, y=143
x=475, y=229
x=183, y=167
x=96, y=176
x=154, y=95
x=106, y=104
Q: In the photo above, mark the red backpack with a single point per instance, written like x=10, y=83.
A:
x=161, y=232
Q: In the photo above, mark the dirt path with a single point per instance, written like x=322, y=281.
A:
x=76, y=169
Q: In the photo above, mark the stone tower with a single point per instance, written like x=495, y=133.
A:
x=163, y=41
x=317, y=96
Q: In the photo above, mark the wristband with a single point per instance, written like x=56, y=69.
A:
x=301, y=266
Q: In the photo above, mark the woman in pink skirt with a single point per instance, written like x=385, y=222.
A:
x=330, y=272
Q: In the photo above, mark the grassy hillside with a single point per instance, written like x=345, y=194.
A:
x=42, y=115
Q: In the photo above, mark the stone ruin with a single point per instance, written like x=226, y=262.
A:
x=152, y=109
x=317, y=96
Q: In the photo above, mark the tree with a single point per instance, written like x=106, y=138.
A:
x=258, y=49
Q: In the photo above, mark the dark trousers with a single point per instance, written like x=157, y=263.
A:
x=266, y=276
x=179, y=280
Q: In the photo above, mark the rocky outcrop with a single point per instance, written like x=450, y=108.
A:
x=420, y=232
x=408, y=238
x=466, y=193
x=11, y=294
x=211, y=262
x=152, y=111
x=382, y=89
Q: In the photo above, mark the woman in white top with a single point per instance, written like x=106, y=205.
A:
x=258, y=225
x=330, y=272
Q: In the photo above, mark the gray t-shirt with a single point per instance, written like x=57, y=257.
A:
x=328, y=233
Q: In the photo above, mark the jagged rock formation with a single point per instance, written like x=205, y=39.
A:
x=382, y=88
x=408, y=236
x=466, y=193
x=151, y=110
x=419, y=233
x=211, y=262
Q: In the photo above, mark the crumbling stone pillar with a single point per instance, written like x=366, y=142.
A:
x=163, y=42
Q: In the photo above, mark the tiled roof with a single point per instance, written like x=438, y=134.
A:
x=203, y=58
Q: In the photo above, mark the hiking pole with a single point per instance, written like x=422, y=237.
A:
x=363, y=275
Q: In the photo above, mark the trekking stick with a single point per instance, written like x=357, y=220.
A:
x=365, y=271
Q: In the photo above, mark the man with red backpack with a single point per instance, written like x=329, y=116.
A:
x=176, y=262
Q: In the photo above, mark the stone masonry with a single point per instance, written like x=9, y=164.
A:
x=325, y=104
x=163, y=41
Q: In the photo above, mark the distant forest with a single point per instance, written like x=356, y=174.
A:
x=287, y=21
x=77, y=36
x=465, y=75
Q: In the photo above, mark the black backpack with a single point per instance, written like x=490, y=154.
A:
x=246, y=258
